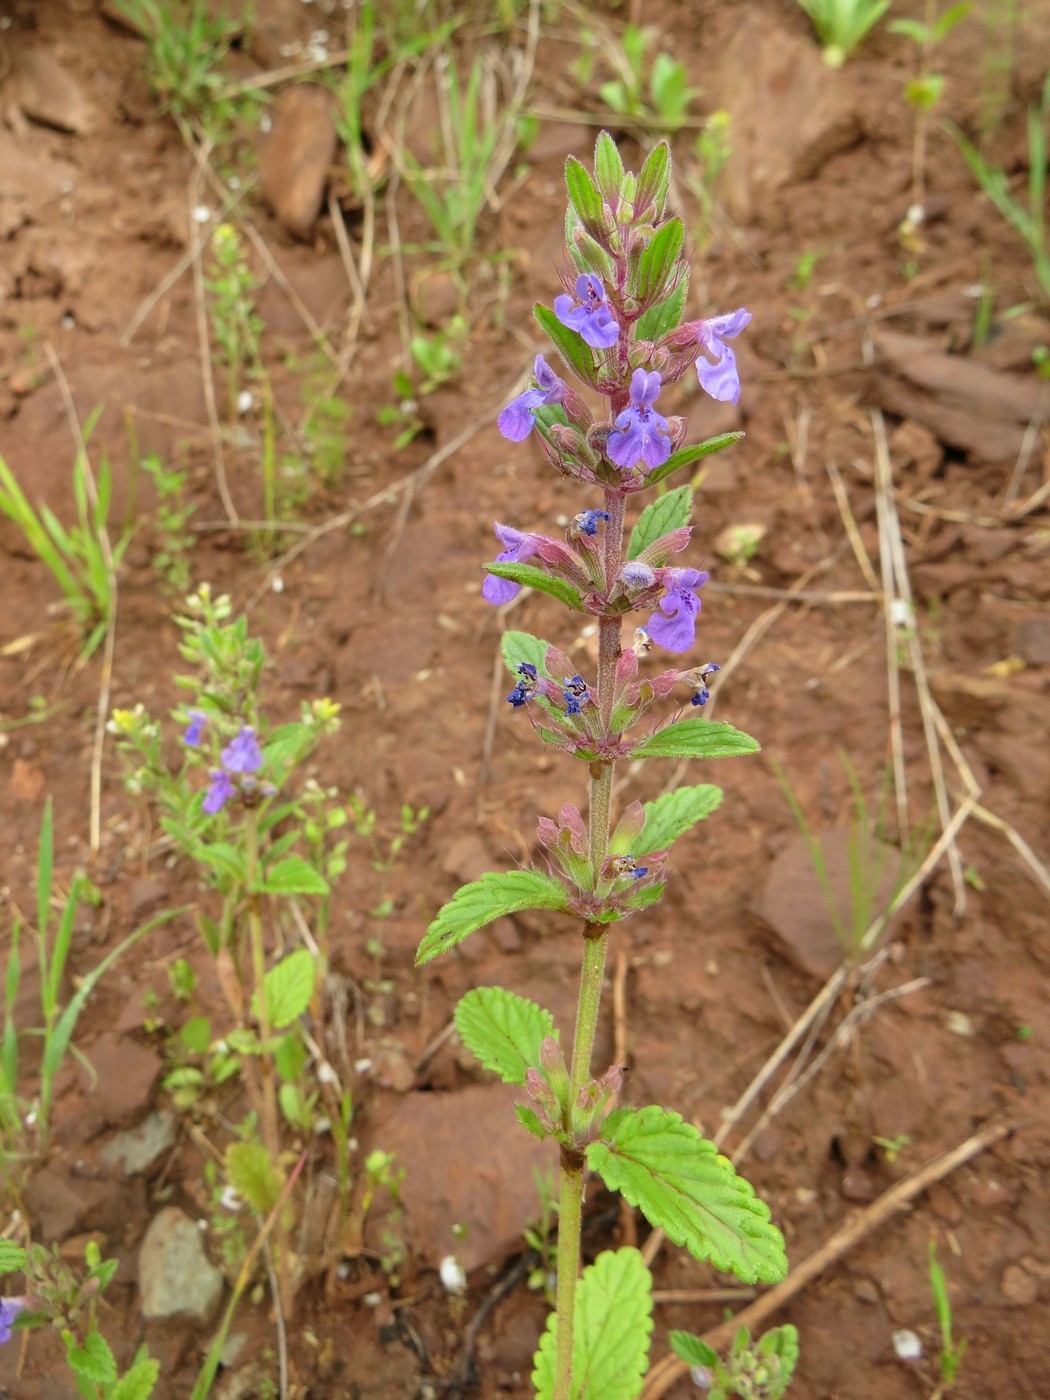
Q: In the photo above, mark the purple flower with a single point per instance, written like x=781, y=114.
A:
x=721, y=379
x=243, y=754
x=641, y=434
x=674, y=626
x=576, y=695
x=518, y=547
x=586, y=523
x=588, y=313
x=525, y=687
x=698, y=680
x=9, y=1310
x=516, y=420
x=195, y=728
x=221, y=790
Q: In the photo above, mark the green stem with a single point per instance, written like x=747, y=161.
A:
x=595, y=944
x=268, y=1104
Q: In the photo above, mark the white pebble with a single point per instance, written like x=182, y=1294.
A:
x=907, y=1345
x=453, y=1275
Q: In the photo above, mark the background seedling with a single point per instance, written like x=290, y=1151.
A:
x=660, y=102
x=842, y=25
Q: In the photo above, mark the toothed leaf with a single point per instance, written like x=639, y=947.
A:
x=503, y=1031
x=696, y=738
x=673, y=813
x=478, y=903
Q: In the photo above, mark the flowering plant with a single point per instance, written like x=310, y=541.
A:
x=618, y=328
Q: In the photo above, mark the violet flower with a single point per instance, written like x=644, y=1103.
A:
x=9, y=1310
x=516, y=420
x=221, y=790
x=586, y=523
x=517, y=548
x=525, y=687
x=195, y=728
x=721, y=380
x=576, y=695
x=243, y=754
x=641, y=434
x=674, y=626
x=588, y=313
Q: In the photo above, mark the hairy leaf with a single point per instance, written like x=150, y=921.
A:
x=253, y=1176
x=653, y=178
x=694, y=1351
x=489, y=898
x=288, y=986
x=610, y=1345
x=658, y=261
x=677, y=1179
x=666, y=513
x=569, y=343
x=293, y=875
x=523, y=647
x=503, y=1031
x=138, y=1382
x=693, y=453
x=583, y=194
x=608, y=167
x=663, y=317
x=696, y=738
x=531, y=577
x=93, y=1360
x=12, y=1257
x=673, y=813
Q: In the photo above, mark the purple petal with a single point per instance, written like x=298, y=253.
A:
x=243, y=754
x=516, y=420
x=645, y=387
x=721, y=380
x=565, y=307
x=548, y=381
x=601, y=330
x=657, y=442
x=588, y=286
x=674, y=626
x=195, y=728
x=516, y=544
x=626, y=446
x=497, y=591
x=730, y=325
x=220, y=792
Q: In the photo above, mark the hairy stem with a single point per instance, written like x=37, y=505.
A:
x=595, y=943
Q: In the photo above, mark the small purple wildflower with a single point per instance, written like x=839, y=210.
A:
x=635, y=576
x=517, y=548
x=625, y=868
x=195, y=728
x=576, y=695
x=673, y=627
x=586, y=523
x=221, y=790
x=698, y=679
x=641, y=434
x=721, y=380
x=525, y=688
x=9, y=1310
x=516, y=420
x=588, y=313
x=243, y=754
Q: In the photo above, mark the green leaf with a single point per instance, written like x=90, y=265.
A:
x=293, y=875
x=664, y=316
x=94, y=1360
x=195, y=1035
x=489, y=898
x=673, y=813
x=696, y=738
x=12, y=1257
x=503, y=1031
x=693, y=453
x=138, y=1383
x=227, y=859
x=659, y=517
x=612, y=1323
x=530, y=1122
x=659, y=260
x=677, y=1179
x=583, y=194
x=253, y=1176
x=523, y=648
x=694, y=1351
x=288, y=986
x=531, y=577
x=653, y=179
x=569, y=343
x=608, y=167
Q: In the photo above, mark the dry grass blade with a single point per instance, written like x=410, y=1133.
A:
x=670, y=1369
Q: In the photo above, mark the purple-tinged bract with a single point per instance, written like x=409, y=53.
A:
x=641, y=434
x=588, y=313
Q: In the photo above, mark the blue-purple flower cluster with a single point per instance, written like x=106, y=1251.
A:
x=9, y=1311
x=240, y=760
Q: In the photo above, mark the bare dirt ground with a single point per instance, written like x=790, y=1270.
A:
x=946, y=1031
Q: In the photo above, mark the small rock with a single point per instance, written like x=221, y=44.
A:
x=50, y=95
x=858, y=1186
x=125, y=1074
x=866, y=1290
x=1019, y=1286
x=393, y=1068
x=906, y=1344
x=435, y=299
x=296, y=156
x=138, y=1148
x=175, y=1275
x=467, y=859
x=144, y=894
x=1032, y=640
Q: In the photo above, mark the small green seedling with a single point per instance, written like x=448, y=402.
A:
x=660, y=103
x=171, y=559
x=843, y=24
x=753, y=1372
x=892, y=1147
x=924, y=91
x=711, y=152
x=952, y=1352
